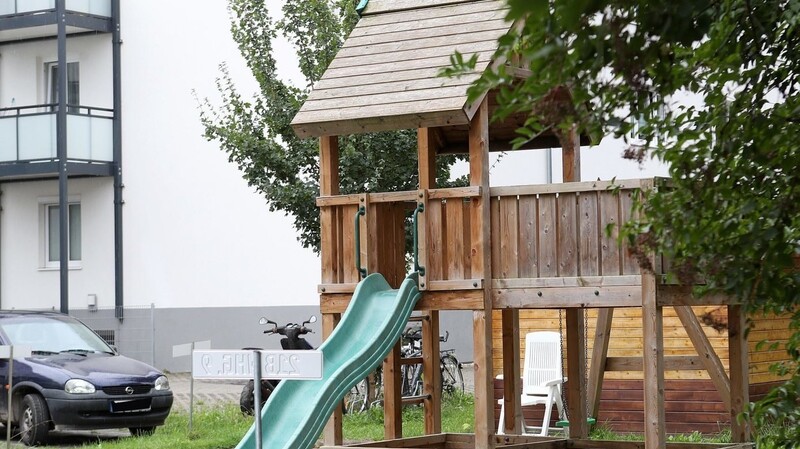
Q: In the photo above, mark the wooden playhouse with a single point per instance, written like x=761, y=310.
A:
x=517, y=257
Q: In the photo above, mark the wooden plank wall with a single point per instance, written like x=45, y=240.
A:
x=691, y=405
x=626, y=339
x=561, y=234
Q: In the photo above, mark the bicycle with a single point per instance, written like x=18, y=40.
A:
x=451, y=379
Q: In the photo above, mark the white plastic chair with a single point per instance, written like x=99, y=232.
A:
x=541, y=380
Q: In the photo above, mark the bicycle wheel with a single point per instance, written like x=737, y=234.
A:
x=452, y=378
x=357, y=399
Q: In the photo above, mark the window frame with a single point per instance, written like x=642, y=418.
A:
x=45, y=205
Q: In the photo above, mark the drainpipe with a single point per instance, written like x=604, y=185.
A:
x=118, y=186
x=549, y=174
x=61, y=155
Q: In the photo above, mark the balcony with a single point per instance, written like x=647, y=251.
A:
x=28, y=141
x=35, y=19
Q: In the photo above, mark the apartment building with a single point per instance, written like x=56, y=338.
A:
x=111, y=198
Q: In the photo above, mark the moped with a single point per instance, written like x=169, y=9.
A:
x=293, y=339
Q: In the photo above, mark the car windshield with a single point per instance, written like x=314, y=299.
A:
x=52, y=334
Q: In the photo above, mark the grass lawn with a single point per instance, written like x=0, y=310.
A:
x=221, y=427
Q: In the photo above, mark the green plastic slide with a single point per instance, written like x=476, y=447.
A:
x=297, y=410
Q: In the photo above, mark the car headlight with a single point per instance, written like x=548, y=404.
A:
x=78, y=386
x=162, y=384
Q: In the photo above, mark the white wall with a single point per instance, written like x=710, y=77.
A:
x=195, y=234
x=24, y=283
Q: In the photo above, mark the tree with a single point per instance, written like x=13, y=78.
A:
x=714, y=85
x=257, y=136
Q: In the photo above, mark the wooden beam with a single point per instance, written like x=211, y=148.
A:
x=329, y=185
x=431, y=374
x=738, y=353
x=565, y=297
x=705, y=349
x=332, y=435
x=653, y=355
x=512, y=387
x=602, y=335
x=426, y=146
x=671, y=363
x=392, y=396
x=481, y=267
x=681, y=295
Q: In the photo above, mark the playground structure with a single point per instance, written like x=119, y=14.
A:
x=495, y=251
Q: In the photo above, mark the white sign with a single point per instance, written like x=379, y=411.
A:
x=19, y=352
x=186, y=348
x=238, y=364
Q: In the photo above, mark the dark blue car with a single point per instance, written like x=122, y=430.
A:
x=74, y=380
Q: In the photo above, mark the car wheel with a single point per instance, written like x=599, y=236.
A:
x=34, y=420
x=142, y=431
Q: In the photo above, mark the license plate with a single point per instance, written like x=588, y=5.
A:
x=130, y=405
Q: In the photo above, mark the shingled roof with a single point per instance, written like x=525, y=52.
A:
x=385, y=75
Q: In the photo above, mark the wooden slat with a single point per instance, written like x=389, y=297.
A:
x=706, y=352
x=454, y=252
x=629, y=263
x=436, y=240
x=348, y=244
x=336, y=288
x=430, y=18
x=442, y=52
x=671, y=363
x=334, y=81
x=453, y=28
x=394, y=70
x=528, y=237
x=567, y=242
x=381, y=98
x=509, y=232
x=388, y=6
x=565, y=297
x=588, y=281
x=455, y=192
x=457, y=284
x=329, y=185
x=388, y=87
x=494, y=205
x=609, y=244
x=548, y=265
x=589, y=234
x=424, y=46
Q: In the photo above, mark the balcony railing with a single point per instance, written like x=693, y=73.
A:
x=93, y=7
x=28, y=134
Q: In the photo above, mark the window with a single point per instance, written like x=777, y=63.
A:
x=73, y=85
x=52, y=236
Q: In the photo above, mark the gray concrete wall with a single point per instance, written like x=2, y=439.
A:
x=144, y=330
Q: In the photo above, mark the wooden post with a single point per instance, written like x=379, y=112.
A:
x=512, y=387
x=602, y=335
x=576, y=332
x=653, y=364
x=329, y=185
x=392, y=396
x=738, y=352
x=481, y=267
x=332, y=435
x=431, y=373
